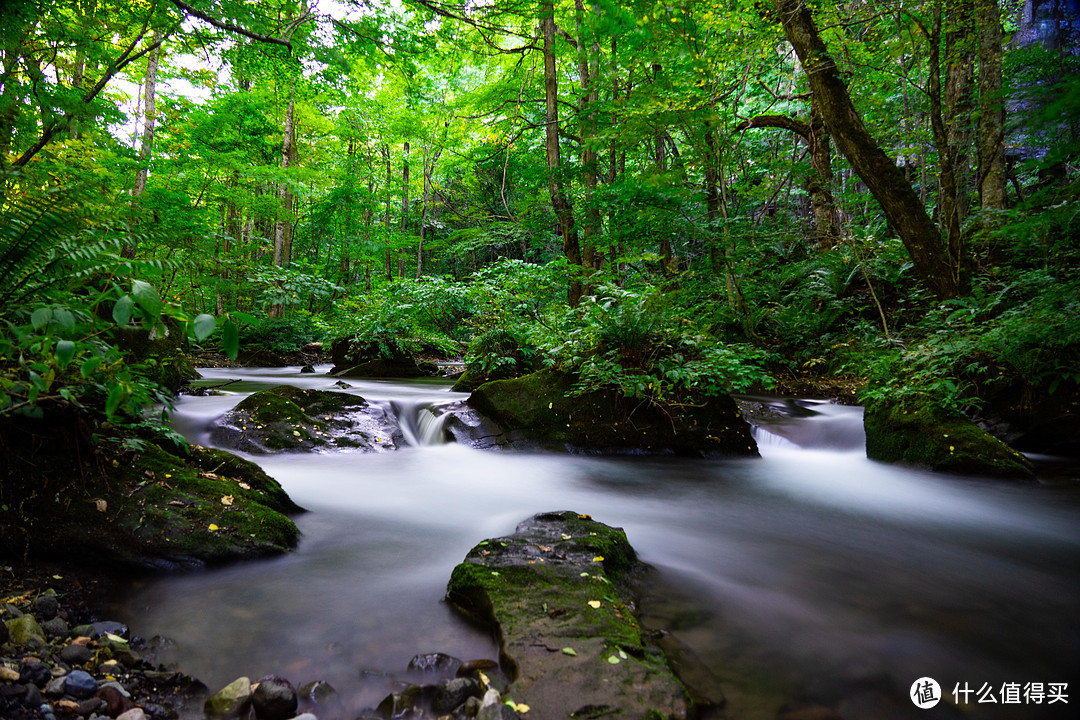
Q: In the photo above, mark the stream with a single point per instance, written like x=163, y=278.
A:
x=811, y=575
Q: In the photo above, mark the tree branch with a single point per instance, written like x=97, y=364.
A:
x=230, y=27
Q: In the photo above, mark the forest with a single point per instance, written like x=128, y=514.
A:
x=872, y=199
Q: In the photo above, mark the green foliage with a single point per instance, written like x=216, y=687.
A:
x=70, y=304
x=281, y=335
x=633, y=342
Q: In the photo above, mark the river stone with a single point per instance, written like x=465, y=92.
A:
x=288, y=419
x=318, y=691
x=497, y=712
x=435, y=663
x=921, y=437
x=56, y=627
x=454, y=692
x=274, y=699
x=34, y=672
x=117, y=701
x=232, y=701
x=563, y=580
x=80, y=684
x=134, y=713
x=541, y=411
x=76, y=654
x=46, y=607
x=55, y=687
x=25, y=631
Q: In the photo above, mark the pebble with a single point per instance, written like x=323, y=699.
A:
x=46, y=607
x=80, y=684
x=55, y=687
x=274, y=699
x=56, y=627
x=8, y=674
x=76, y=654
x=132, y=714
x=34, y=672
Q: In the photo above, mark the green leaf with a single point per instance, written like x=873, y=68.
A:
x=147, y=297
x=230, y=340
x=203, y=325
x=64, y=317
x=117, y=395
x=91, y=366
x=65, y=350
x=121, y=312
x=41, y=317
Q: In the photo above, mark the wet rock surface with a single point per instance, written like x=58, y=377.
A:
x=288, y=419
x=558, y=594
x=540, y=411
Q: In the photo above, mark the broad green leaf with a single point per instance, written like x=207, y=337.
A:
x=203, y=326
x=116, y=396
x=147, y=297
x=65, y=350
x=230, y=340
x=64, y=317
x=122, y=310
x=41, y=317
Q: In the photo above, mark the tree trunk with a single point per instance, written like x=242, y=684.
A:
x=560, y=203
x=886, y=181
x=590, y=96
x=386, y=221
x=405, y=189
x=283, y=227
x=992, y=171
x=149, y=117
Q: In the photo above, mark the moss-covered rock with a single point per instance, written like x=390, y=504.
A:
x=286, y=418
x=356, y=359
x=927, y=439
x=540, y=411
x=557, y=593
x=107, y=496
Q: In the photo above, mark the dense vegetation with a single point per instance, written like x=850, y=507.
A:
x=645, y=193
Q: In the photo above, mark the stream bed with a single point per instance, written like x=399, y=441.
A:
x=810, y=576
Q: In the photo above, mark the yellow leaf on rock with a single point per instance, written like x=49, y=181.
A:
x=598, y=558
x=244, y=486
x=226, y=499
x=594, y=603
x=101, y=505
x=212, y=527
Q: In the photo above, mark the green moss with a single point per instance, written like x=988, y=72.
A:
x=950, y=444
x=542, y=408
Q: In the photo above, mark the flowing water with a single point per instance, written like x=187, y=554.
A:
x=810, y=575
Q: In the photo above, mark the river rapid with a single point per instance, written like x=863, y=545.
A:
x=811, y=575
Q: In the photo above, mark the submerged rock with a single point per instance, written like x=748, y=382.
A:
x=951, y=444
x=286, y=418
x=539, y=411
x=557, y=594
x=232, y=701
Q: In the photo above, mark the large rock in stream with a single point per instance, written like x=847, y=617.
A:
x=286, y=418
x=558, y=595
x=540, y=411
x=922, y=438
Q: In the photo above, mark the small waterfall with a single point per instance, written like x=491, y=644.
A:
x=765, y=438
x=420, y=424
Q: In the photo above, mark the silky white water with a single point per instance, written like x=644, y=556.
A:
x=810, y=572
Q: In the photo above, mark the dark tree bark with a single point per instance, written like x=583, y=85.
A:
x=559, y=200
x=902, y=207
x=992, y=171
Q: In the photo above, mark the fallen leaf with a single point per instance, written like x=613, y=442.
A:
x=244, y=485
x=614, y=660
x=226, y=499
x=598, y=558
x=544, y=548
x=101, y=505
x=569, y=651
x=594, y=604
x=212, y=528
x=566, y=537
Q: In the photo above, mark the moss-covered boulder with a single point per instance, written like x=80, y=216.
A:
x=541, y=411
x=103, y=495
x=357, y=359
x=923, y=438
x=558, y=595
x=288, y=419
x=162, y=358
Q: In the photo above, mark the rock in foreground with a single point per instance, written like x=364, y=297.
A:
x=538, y=412
x=557, y=595
x=286, y=418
